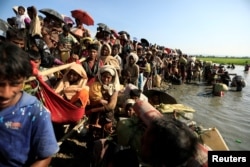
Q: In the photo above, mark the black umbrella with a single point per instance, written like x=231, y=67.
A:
x=4, y=25
x=163, y=97
x=144, y=42
x=52, y=14
x=102, y=25
x=123, y=32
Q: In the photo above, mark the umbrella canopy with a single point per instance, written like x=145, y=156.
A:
x=3, y=27
x=124, y=32
x=102, y=25
x=144, y=42
x=167, y=50
x=163, y=97
x=82, y=16
x=114, y=33
x=68, y=20
x=52, y=14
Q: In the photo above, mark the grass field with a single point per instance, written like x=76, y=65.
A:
x=227, y=60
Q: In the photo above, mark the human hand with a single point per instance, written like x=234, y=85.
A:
x=103, y=102
x=58, y=62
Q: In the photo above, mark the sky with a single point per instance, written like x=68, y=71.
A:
x=200, y=27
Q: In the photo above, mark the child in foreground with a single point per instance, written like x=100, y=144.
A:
x=27, y=136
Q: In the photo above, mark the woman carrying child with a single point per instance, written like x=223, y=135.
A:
x=73, y=87
x=103, y=95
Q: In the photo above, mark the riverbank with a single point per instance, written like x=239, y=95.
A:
x=226, y=60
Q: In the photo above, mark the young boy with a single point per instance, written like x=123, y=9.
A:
x=27, y=136
x=22, y=19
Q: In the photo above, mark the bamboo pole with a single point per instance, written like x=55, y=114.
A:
x=53, y=70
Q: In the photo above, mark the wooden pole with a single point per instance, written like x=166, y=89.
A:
x=54, y=69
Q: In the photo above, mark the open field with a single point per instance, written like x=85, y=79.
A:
x=227, y=60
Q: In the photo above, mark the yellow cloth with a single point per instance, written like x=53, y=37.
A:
x=147, y=68
x=95, y=90
x=35, y=27
x=95, y=93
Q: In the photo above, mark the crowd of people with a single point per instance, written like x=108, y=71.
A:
x=112, y=63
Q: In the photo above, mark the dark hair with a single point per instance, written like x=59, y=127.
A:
x=15, y=34
x=14, y=62
x=32, y=10
x=21, y=7
x=135, y=92
x=66, y=28
x=93, y=46
x=34, y=55
x=128, y=106
x=173, y=138
x=116, y=46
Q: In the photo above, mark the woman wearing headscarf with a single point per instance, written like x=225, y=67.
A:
x=73, y=87
x=133, y=68
x=103, y=95
x=107, y=58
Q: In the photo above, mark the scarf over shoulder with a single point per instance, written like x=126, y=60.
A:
x=110, y=60
x=64, y=87
x=95, y=92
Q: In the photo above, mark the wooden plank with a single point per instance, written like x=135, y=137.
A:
x=54, y=69
x=214, y=140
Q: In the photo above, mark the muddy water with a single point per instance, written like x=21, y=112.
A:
x=229, y=113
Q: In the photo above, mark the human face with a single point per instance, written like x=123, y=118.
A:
x=73, y=76
x=139, y=52
x=66, y=33
x=131, y=60
x=54, y=38
x=131, y=112
x=18, y=42
x=20, y=11
x=105, y=51
x=10, y=92
x=115, y=51
x=93, y=53
x=106, y=78
x=37, y=63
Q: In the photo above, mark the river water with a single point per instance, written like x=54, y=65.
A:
x=229, y=113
